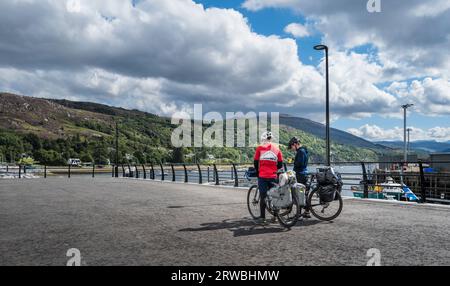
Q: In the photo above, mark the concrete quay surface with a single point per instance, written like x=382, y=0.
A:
x=136, y=222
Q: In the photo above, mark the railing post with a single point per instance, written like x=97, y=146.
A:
x=162, y=172
x=137, y=171
x=20, y=172
x=113, y=170
x=93, y=170
x=173, y=173
x=152, y=172
x=145, y=173
x=422, y=184
x=208, y=175
x=365, y=180
x=129, y=171
x=123, y=171
x=24, y=169
x=69, y=170
x=236, y=179
x=186, y=179
x=45, y=171
x=200, y=181
x=285, y=167
x=216, y=174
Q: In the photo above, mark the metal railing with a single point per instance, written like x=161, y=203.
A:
x=44, y=171
x=431, y=187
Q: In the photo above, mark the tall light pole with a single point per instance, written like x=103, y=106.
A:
x=408, y=150
x=116, y=171
x=328, y=147
x=405, y=107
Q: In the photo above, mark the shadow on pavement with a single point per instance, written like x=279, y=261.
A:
x=247, y=226
x=207, y=205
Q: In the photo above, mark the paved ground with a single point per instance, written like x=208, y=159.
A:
x=130, y=222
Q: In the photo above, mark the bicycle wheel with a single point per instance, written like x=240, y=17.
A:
x=324, y=211
x=253, y=202
x=289, y=217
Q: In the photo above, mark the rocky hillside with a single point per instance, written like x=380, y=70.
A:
x=51, y=131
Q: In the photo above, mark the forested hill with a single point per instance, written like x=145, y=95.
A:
x=51, y=131
x=318, y=129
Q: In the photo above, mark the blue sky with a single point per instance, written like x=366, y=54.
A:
x=272, y=21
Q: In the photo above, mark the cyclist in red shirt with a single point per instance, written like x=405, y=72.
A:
x=268, y=159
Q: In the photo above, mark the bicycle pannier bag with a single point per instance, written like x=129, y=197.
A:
x=300, y=191
x=281, y=197
x=327, y=194
x=328, y=176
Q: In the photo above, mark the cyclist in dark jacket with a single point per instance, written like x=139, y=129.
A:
x=300, y=163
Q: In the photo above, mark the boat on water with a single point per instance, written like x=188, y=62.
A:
x=390, y=190
x=8, y=176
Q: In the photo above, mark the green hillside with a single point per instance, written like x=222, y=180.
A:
x=51, y=131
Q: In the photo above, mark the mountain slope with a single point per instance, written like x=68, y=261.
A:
x=53, y=130
x=319, y=130
x=423, y=145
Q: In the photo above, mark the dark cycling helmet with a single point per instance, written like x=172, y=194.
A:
x=293, y=141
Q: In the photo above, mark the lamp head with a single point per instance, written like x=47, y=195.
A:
x=320, y=47
x=407, y=105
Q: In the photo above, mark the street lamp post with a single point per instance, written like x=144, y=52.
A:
x=328, y=147
x=405, y=153
x=408, y=150
x=116, y=171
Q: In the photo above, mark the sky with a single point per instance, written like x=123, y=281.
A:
x=164, y=56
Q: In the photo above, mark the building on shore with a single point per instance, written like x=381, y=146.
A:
x=395, y=159
x=440, y=161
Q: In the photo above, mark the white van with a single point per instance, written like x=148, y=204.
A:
x=74, y=162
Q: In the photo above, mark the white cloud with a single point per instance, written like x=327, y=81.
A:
x=208, y=55
x=256, y=5
x=431, y=8
x=162, y=56
x=92, y=85
x=412, y=37
x=177, y=40
x=297, y=30
x=440, y=133
x=430, y=96
x=376, y=133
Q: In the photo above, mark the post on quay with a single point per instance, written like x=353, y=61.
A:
x=236, y=179
x=216, y=175
x=200, y=179
x=423, y=193
x=365, y=180
x=186, y=179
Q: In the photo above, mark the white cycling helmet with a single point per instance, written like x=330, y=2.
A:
x=266, y=136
